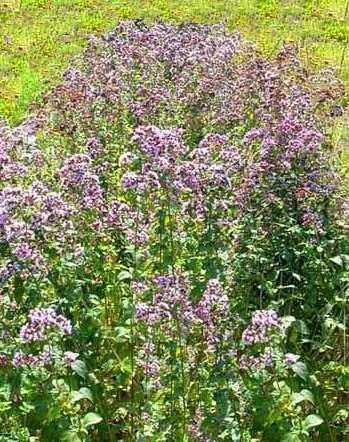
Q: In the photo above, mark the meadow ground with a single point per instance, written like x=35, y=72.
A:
x=39, y=38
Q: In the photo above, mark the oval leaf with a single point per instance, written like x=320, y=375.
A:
x=304, y=395
x=76, y=396
x=91, y=419
x=300, y=369
x=337, y=260
x=79, y=367
x=313, y=420
x=71, y=436
x=87, y=393
x=124, y=276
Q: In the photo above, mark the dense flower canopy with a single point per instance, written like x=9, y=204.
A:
x=162, y=217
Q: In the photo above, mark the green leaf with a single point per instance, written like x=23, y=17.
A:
x=71, y=436
x=91, y=419
x=79, y=367
x=122, y=334
x=300, y=369
x=83, y=393
x=288, y=320
x=76, y=396
x=26, y=407
x=337, y=260
x=302, y=327
x=296, y=276
x=303, y=395
x=87, y=393
x=291, y=437
x=5, y=405
x=313, y=420
x=124, y=275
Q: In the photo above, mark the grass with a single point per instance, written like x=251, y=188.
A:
x=38, y=38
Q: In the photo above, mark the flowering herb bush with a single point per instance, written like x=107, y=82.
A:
x=174, y=253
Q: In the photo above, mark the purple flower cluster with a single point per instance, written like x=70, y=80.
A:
x=77, y=175
x=69, y=357
x=192, y=77
x=31, y=216
x=263, y=323
x=20, y=359
x=133, y=223
x=264, y=327
x=212, y=310
x=201, y=76
x=168, y=162
x=183, y=175
x=19, y=152
x=44, y=326
x=170, y=302
x=172, y=312
x=155, y=143
x=40, y=322
x=290, y=359
x=8, y=270
x=263, y=360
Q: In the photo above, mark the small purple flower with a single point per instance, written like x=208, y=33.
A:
x=129, y=180
x=79, y=252
x=163, y=281
x=213, y=140
x=252, y=135
x=307, y=218
x=137, y=237
x=138, y=287
x=246, y=361
x=265, y=318
x=145, y=416
x=142, y=311
x=23, y=251
x=19, y=359
x=126, y=158
x=63, y=324
x=148, y=348
x=69, y=357
x=267, y=358
x=32, y=360
x=45, y=357
x=151, y=368
x=3, y=360
x=290, y=359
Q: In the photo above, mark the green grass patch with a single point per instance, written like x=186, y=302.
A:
x=38, y=38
